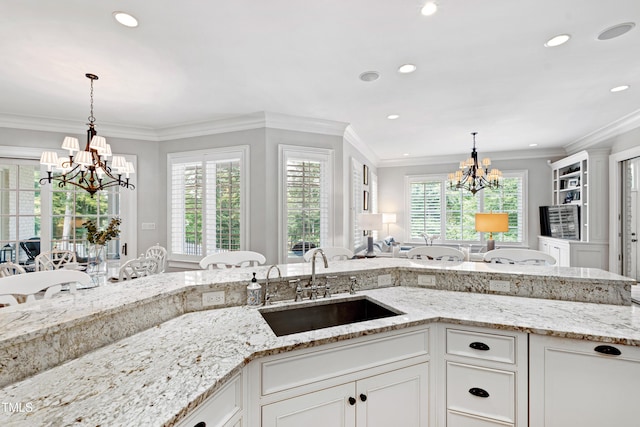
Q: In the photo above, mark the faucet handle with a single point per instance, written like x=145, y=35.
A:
x=352, y=286
x=296, y=282
x=327, y=287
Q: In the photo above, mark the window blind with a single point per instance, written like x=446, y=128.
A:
x=206, y=203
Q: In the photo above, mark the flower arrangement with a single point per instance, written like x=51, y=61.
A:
x=101, y=237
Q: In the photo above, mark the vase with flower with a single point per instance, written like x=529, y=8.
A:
x=98, y=239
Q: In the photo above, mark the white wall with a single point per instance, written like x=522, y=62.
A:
x=391, y=191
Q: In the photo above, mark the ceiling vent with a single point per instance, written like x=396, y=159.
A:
x=369, y=76
x=616, y=31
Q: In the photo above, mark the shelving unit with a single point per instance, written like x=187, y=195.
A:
x=581, y=179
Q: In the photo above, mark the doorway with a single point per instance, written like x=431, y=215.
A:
x=630, y=218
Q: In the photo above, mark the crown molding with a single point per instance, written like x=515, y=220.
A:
x=455, y=159
x=255, y=120
x=613, y=129
x=352, y=138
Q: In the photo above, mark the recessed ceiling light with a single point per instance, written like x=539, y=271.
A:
x=557, y=40
x=429, y=8
x=369, y=76
x=407, y=68
x=393, y=116
x=533, y=145
x=616, y=31
x=405, y=154
x=620, y=88
x=126, y=19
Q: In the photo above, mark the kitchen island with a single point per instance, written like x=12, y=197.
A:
x=157, y=353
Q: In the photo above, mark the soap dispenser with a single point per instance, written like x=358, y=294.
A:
x=254, y=292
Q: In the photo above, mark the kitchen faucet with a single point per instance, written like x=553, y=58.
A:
x=426, y=238
x=312, y=283
x=267, y=295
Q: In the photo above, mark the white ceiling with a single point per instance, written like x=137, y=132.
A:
x=482, y=67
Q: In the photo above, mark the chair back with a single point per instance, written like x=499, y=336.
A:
x=139, y=267
x=331, y=252
x=49, y=281
x=440, y=253
x=519, y=256
x=54, y=260
x=10, y=269
x=159, y=253
x=232, y=259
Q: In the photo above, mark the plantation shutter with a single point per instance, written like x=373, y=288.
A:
x=206, y=204
x=425, y=208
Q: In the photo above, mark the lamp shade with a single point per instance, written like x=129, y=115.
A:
x=370, y=221
x=492, y=222
x=388, y=218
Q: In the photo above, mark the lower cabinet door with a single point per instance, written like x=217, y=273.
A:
x=583, y=383
x=333, y=406
x=396, y=398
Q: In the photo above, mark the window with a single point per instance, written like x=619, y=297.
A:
x=435, y=209
x=20, y=210
x=207, y=209
x=306, y=175
x=35, y=218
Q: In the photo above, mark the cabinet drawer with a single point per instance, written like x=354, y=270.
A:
x=288, y=372
x=465, y=385
x=457, y=419
x=497, y=348
x=218, y=409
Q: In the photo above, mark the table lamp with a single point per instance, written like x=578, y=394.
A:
x=370, y=222
x=492, y=223
x=388, y=218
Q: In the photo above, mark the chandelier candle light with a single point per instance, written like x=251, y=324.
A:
x=473, y=177
x=88, y=169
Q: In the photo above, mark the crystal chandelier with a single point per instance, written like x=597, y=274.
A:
x=473, y=177
x=88, y=169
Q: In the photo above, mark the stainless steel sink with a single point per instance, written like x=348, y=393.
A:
x=324, y=314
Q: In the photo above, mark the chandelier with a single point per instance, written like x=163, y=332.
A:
x=89, y=169
x=473, y=177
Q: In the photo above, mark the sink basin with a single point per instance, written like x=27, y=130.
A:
x=324, y=314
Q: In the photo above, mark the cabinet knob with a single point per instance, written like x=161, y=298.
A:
x=363, y=397
x=607, y=349
x=352, y=401
x=479, y=346
x=479, y=392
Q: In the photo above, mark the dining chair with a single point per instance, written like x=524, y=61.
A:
x=331, y=252
x=49, y=281
x=440, y=253
x=159, y=253
x=55, y=260
x=519, y=256
x=9, y=268
x=139, y=267
x=232, y=259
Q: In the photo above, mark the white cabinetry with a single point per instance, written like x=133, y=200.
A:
x=394, y=398
x=485, y=375
x=582, y=383
x=368, y=381
x=223, y=409
x=582, y=179
x=571, y=253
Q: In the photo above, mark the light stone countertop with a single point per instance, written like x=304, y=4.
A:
x=154, y=377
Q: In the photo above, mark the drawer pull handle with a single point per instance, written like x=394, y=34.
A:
x=363, y=397
x=607, y=349
x=479, y=346
x=479, y=392
x=352, y=401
